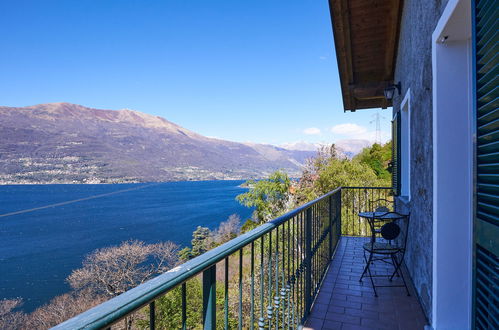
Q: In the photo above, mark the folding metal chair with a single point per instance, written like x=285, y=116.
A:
x=391, y=250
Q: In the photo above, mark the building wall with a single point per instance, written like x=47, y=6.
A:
x=414, y=71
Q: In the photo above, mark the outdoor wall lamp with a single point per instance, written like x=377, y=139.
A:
x=390, y=91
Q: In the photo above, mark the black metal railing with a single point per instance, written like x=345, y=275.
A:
x=361, y=199
x=266, y=278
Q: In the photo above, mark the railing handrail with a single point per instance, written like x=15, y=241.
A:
x=118, y=307
x=354, y=187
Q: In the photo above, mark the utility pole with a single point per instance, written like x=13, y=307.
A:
x=376, y=119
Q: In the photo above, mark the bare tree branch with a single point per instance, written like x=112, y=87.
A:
x=114, y=270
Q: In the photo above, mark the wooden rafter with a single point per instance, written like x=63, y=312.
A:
x=365, y=36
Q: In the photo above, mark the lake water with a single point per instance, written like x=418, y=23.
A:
x=46, y=230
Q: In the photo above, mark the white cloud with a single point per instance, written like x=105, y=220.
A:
x=348, y=129
x=312, y=131
x=358, y=132
x=345, y=148
x=300, y=145
x=323, y=57
x=353, y=146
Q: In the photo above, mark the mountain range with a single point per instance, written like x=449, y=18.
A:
x=69, y=143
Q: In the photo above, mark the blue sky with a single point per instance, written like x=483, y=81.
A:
x=261, y=71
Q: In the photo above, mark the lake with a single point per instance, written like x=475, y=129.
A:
x=46, y=230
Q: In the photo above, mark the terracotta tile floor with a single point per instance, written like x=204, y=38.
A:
x=345, y=303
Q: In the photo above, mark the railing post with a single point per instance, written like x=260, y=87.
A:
x=339, y=213
x=308, y=261
x=209, y=298
x=152, y=316
x=331, y=226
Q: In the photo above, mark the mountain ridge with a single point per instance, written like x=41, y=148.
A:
x=70, y=143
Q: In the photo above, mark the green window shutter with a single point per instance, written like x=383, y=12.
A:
x=396, y=154
x=486, y=220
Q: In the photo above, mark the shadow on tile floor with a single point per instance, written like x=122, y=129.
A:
x=345, y=303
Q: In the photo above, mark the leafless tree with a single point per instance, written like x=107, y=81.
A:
x=9, y=318
x=228, y=229
x=114, y=270
x=106, y=272
x=62, y=308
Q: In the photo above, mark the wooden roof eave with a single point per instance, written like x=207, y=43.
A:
x=358, y=90
x=342, y=49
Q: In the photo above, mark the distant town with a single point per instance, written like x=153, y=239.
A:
x=66, y=143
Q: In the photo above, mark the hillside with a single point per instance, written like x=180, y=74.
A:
x=69, y=143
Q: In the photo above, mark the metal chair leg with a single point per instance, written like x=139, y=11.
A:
x=397, y=267
x=396, y=271
x=399, y=271
x=403, y=279
x=368, y=269
x=371, y=275
x=365, y=268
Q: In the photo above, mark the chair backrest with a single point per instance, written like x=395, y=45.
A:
x=390, y=231
x=402, y=221
x=405, y=229
x=395, y=227
x=381, y=205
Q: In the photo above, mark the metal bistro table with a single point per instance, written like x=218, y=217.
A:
x=381, y=217
x=384, y=216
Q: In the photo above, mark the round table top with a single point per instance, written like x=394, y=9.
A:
x=381, y=215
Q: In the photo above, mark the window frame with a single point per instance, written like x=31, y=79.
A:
x=405, y=146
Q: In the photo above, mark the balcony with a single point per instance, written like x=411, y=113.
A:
x=302, y=268
x=345, y=303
